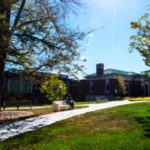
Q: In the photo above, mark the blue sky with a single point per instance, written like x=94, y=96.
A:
x=110, y=44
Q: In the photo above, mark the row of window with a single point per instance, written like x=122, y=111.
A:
x=19, y=86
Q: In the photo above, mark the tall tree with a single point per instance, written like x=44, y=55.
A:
x=141, y=41
x=35, y=35
x=146, y=73
x=122, y=86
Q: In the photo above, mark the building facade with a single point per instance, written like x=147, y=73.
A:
x=100, y=85
x=104, y=84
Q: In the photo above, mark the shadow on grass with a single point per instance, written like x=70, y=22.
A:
x=145, y=123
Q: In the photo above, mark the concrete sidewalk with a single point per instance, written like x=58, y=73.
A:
x=16, y=128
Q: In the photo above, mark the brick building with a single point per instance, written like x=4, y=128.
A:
x=19, y=85
x=100, y=85
x=104, y=84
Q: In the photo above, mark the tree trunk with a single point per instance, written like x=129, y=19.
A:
x=2, y=66
x=5, y=35
x=3, y=53
x=4, y=43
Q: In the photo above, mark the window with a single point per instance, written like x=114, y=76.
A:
x=91, y=89
x=14, y=86
x=107, y=86
x=26, y=86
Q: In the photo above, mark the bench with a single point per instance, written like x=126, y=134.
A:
x=17, y=103
x=60, y=105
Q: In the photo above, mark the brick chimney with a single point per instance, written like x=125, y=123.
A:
x=99, y=69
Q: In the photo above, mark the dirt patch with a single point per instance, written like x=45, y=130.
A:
x=10, y=115
x=13, y=115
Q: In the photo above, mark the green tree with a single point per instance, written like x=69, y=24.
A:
x=122, y=86
x=54, y=88
x=35, y=35
x=141, y=41
x=146, y=73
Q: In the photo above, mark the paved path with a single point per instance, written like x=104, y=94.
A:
x=16, y=128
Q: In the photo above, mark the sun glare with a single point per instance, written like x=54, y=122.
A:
x=110, y=4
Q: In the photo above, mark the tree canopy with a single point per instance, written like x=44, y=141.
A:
x=36, y=35
x=141, y=41
x=122, y=86
x=146, y=73
x=54, y=88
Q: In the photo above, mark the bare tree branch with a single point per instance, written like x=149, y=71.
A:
x=18, y=15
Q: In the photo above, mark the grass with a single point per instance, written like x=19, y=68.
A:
x=50, y=105
x=138, y=98
x=120, y=128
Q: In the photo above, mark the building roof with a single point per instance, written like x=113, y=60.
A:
x=119, y=72
x=114, y=72
x=17, y=72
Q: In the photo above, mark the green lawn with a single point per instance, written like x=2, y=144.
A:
x=120, y=128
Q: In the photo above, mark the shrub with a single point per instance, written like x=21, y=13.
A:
x=138, y=98
x=54, y=88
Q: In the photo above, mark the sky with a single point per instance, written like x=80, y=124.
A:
x=109, y=44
